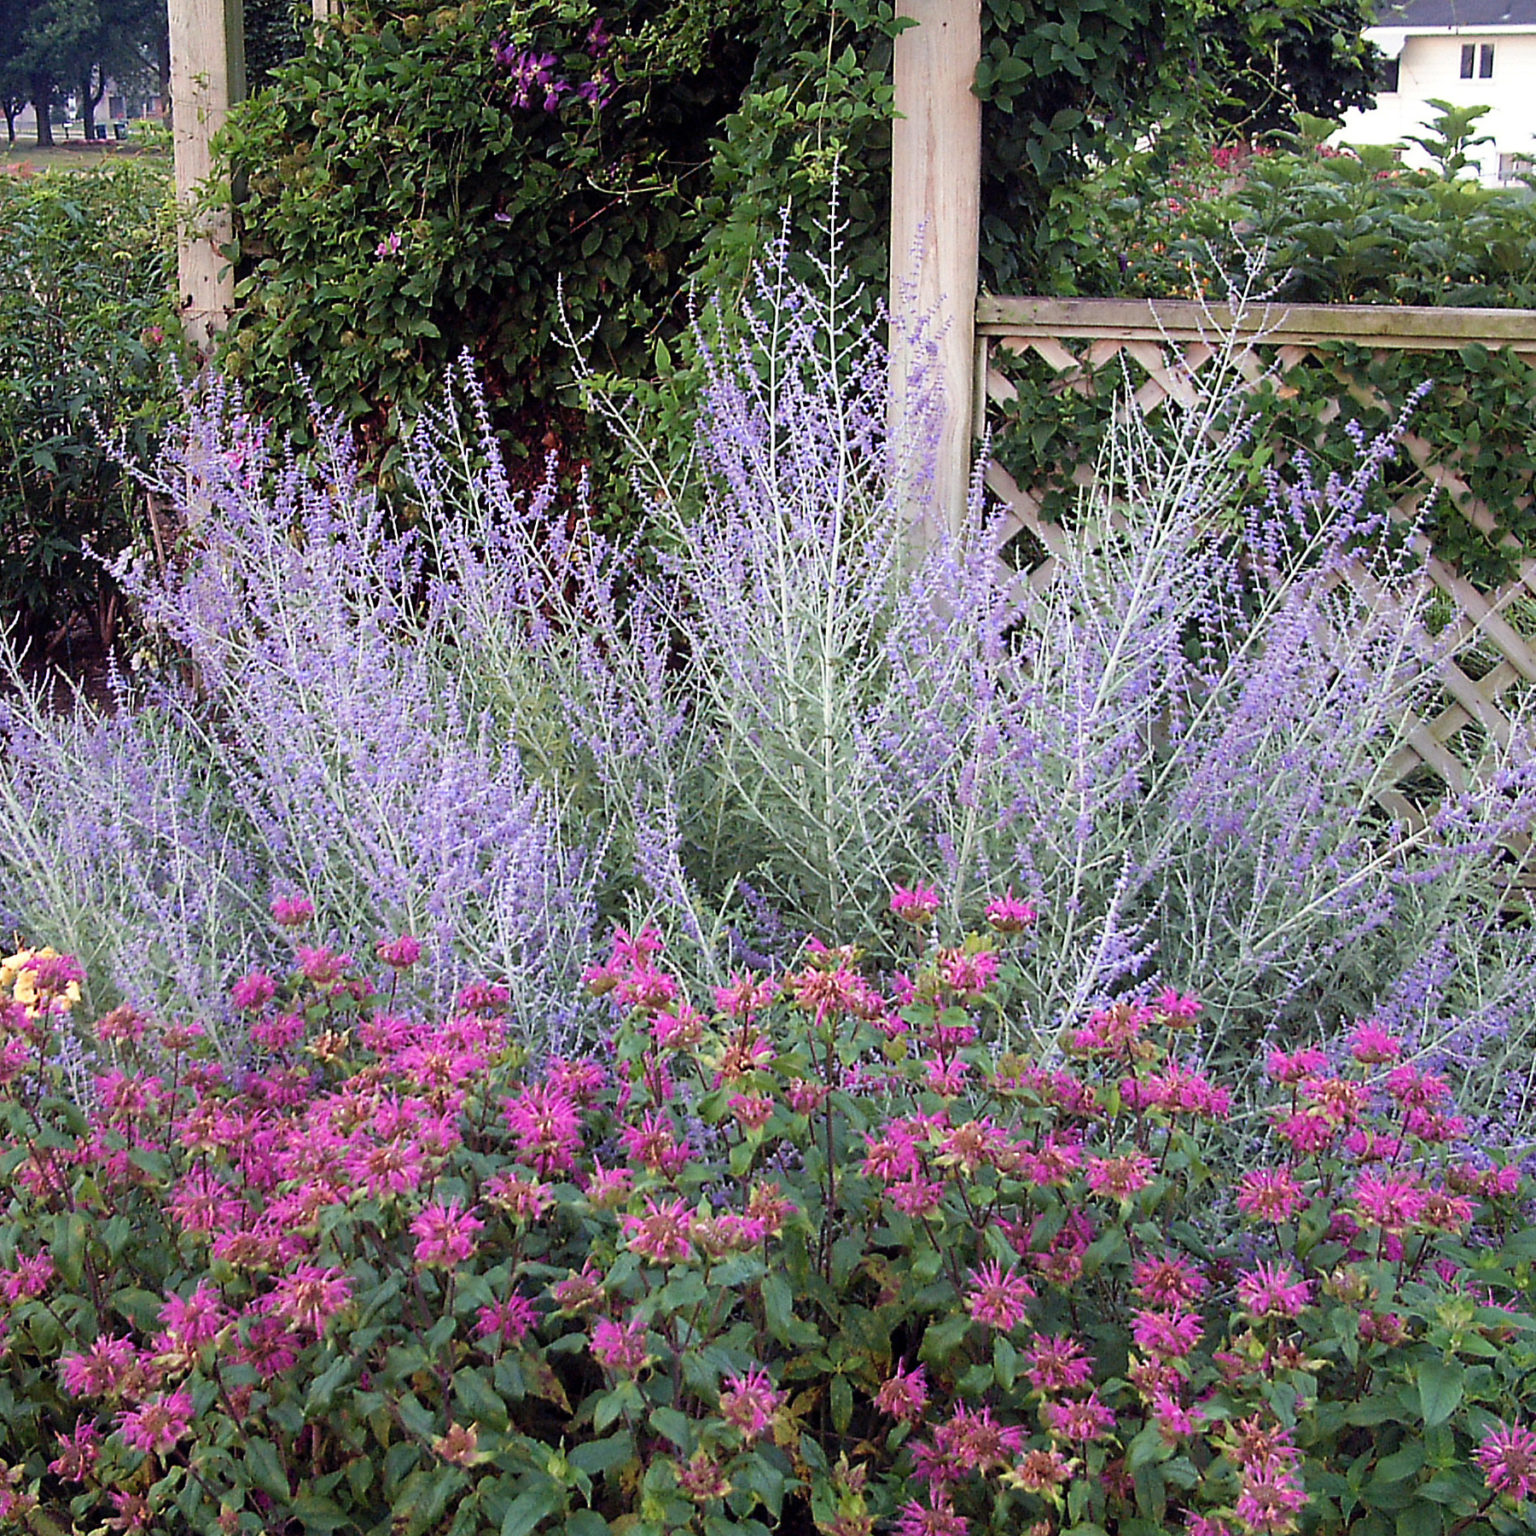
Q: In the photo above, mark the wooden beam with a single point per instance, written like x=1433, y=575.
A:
x=1417, y=328
x=935, y=212
x=207, y=78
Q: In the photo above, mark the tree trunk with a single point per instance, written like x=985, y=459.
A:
x=163, y=70
x=90, y=100
x=42, y=105
x=11, y=110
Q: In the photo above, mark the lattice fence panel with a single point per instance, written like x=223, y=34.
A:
x=1489, y=664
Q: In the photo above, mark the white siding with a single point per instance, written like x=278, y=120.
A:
x=1430, y=65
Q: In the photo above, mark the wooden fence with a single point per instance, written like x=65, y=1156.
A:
x=1489, y=659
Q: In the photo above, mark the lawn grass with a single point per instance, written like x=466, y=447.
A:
x=25, y=157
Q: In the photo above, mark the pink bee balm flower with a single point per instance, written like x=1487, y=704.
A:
x=30, y=1278
x=662, y=1233
x=1508, y=1459
x=1056, y=1364
x=1296, y=1066
x=311, y=1296
x=1163, y=1282
x=321, y=966
x=157, y=1425
x=1270, y=1499
x=1166, y=1335
x=620, y=1347
x=752, y=1110
x=511, y=1319
x=446, y=1232
x=399, y=954
x=1078, y=1418
x=745, y=998
x=1041, y=1471
x=1119, y=1177
x=253, y=991
x=1371, y=1045
x=1392, y=1201
x=917, y=1519
x=102, y=1370
x=1176, y=1009
x=292, y=911
x=195, y=1319
x=679, y=1030
x=1272, y=1290
x=1008, y=914
x=998, y=1297
x=904, y=1394
x=915, y=905
x=971, y=974
x=1270, y=1194
x=78, y=1453
x=546, y=1126
x=750, y=1402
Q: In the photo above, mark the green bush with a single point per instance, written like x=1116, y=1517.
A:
x=814, y=1258
x=87, y=271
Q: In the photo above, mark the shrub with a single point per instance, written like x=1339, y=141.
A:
x=86, y=278
x=817, y=1255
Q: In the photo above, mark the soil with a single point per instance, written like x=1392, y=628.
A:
x=76, y=662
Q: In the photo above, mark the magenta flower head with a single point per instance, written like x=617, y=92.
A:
x=311, y=1296
x=252, y=991
x=446, y=1232
x=1272, y=1290
x=55, y=974
x=155, y=1426
x=292, y=911
x=400, y=954
x=750, y=1402
x=1508, y=1459
x=1371, y=1045
x=915, y=905
x=620, y=1347
x=998, y=1297
x=904, y=1395
x=1010, y=914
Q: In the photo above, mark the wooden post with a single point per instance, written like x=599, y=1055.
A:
x=935, y=214
x=207, y=78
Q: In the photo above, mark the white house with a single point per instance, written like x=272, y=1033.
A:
x=1467, y=52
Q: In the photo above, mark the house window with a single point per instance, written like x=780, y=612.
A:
x=1387, y=77
x=1485, y=62
x=1468, y=59
x=1512, y=167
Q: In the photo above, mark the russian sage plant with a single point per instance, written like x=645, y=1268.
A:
x=488, y=729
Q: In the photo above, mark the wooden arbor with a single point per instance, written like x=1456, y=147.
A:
x=935, y=187
x=935, y=218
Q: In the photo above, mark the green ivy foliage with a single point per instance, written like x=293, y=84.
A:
x=402, y=207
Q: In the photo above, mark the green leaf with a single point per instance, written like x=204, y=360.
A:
x=265, y=1470
x=1441, y=1384
x=674, y=1426
x=141, y=1308
x=319, y=1514
x=1421, y=1519
x=596, y=1457
x=531, y=1506
x=478, y=1399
